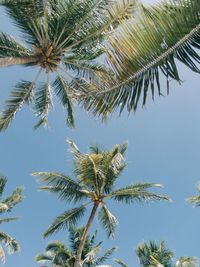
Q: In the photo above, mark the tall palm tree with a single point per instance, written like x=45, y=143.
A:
x=61, y=39
x=143, y=48
x=58, y=254
x=157, y=255
x=96, y=174
x=6, y=205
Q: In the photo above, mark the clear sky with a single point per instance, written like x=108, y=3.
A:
x=164, y=147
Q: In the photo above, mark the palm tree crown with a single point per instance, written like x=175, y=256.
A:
x=57, y=253
x=96, y=174
x=6, y=205
x=61, y=37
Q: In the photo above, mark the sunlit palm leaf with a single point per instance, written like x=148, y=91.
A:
x=142, y=48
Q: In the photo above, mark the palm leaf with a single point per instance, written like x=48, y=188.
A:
x=8, y=220
x=11, y=244
x=66, y=188
x=11, y=201
x=63, y=91
x=43, y=103
x=100, y=260
x=140, y=49
x=137, y=193
x=107, y=220
x=187, y=262
x=22, y=93
x=121, y=263
x=3, y=181
x=66, y=220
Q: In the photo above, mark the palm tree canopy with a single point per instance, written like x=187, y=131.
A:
x=61, y=37
x=144, y=47
x=6, y=205
x=57, y=253
x=96, y=173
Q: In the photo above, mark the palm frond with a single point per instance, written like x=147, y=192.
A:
x=63, y=91
x=107, y=220
x=137, y=193
x=22, y=93
x=66, y=220
x=43, y=103
x=9, y=47
x=8, y=219
x=11, y=244
x=11, y=201
x=140, y=49
x=66, y=188
x=100, y=260
x=195, y=199
x=3, y=181
x=121, y=263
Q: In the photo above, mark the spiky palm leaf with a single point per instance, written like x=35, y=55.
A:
x=143, y=48
x=6, y=205
x=96, y=173
x=62, y=37
x=58, y=253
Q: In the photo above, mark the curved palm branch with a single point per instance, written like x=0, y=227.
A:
x=96, y=173
x=62, y=37
x=141, y=49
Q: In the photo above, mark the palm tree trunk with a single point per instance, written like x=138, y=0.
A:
x=7, y=61
x=83, y=238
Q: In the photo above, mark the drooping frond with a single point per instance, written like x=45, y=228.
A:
x=195, y=199
x=63, y=91
x=107, y=220
x=142, y=48
x=22, y=93
x=11, y=244
x=66, y=220
x=43, y=103
x=137, y=193
x=66, y=188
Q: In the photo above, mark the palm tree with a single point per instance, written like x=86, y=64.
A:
x=6, y=205
x=61, y=39
x=96, y=174
x=57, y=253
x=157, y=255
x=144, y=47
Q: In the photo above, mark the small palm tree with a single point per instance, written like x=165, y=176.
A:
x=58, y=254
x=61, y=38
x=96, y=174
x=157, y=255
x=144, y=47
x=6, y=205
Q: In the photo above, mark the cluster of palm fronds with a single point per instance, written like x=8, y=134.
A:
x=70, y=38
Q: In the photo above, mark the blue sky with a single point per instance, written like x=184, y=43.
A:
x=163, y=146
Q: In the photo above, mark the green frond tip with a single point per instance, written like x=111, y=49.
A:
x=121, y=263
